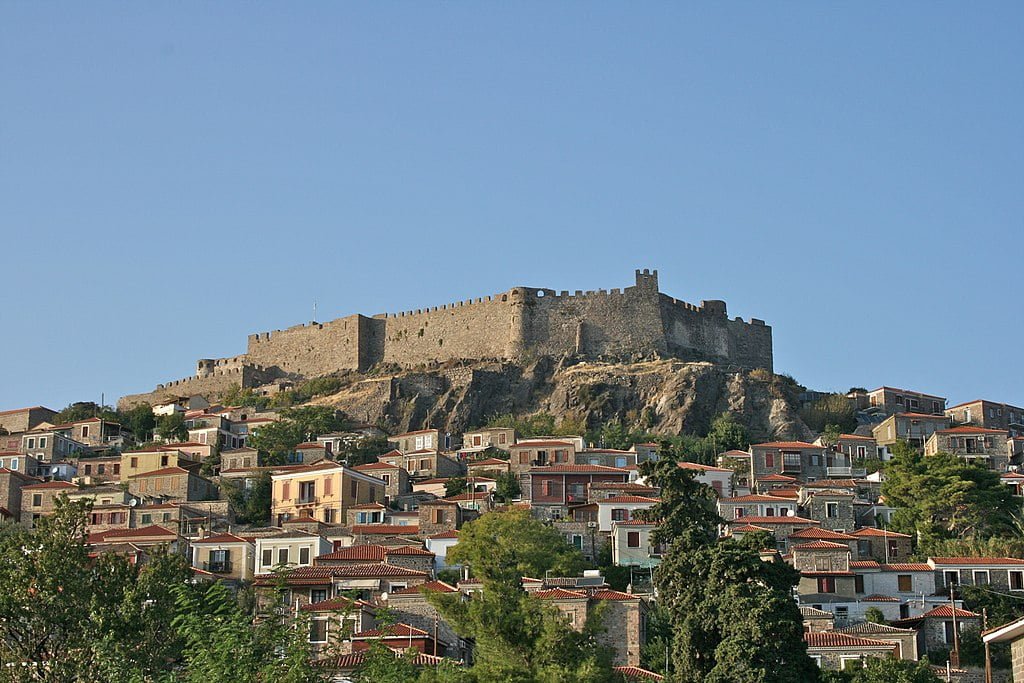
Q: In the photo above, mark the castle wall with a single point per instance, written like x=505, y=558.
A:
x=616, y=322
x=706, y=333
x=313, y=349
x=215, y=381
x=472, y=329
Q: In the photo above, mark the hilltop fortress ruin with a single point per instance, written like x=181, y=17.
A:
x=516, y=325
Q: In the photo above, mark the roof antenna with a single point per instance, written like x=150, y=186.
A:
x=314, y=310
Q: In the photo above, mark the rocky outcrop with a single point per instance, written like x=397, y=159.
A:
x=665, y=396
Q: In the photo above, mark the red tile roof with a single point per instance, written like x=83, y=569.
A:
x=488, y=461
x=153, y=531
x=863, y=564
x=857, y=437
x=540, y=444
x=754, y=498
x=966, y=429
x=631, y=673
x=49, y=485
x=629, y=499
x=880, y=598
x=822, y=534
x=608, y=594
x=577, y=469
x=220, y=539
x=560, y=594
x=773, y=520
x=881, y=533
x=702, y=468
x=750, y=529
x=841, y=640
x=165, y=472
x=365, y=529
x=445, y=534
x=907, y=567
x=392, y=631
x=367, y=506
x=776, y=477
x=973, y=560
x=436, y=586
x=376, y=466
x=822, y=545
x=947, y=612
x=337, y=604
x=634, y=522
x=786, y=444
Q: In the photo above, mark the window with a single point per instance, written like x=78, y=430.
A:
x=577, y=541
x=862, y=451
x=100, y=469
x=633, y=539
x=164, y=461
x=832, y=510
x=1016, y=580
x=85, y=431
x=501, y=438
x=904, y=583
x=826, y=584
x=134, y=462
x=307, y=491
x=791, y=461
x=849, y=663
x=218, y=560
x=30, y=443
x=822, y=564
x=620, y=514
x=147, y=519
x=14, y=463
x=620, y=461
x=424, y=464
x=438, y=516
x=545, y=487
x=286, y=490
x=981, y=577
x=894, y=549
x=42, y=442
x=947, y=631
x=317, y=595
x=769, y=460
x=268, y=557
x=354, y=489
x=858, y=583
x=738, y=512
x=327, y=486
x=329, y=516
x=282, y=556
x=318, y=630
x=951, y=578
x=304, y=555
x=37, y=499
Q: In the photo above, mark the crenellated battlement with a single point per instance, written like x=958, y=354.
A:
x=628, y=322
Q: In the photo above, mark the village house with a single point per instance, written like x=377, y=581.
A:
x=1012, y=633
x=905, y=639
x=893, y=401
x=40, y=500
x=420, y=440
x=409, y=557
x=226, y=555
x=25, y=419
x=1001, y=573
x=816, y=620
x=410, y=606
x=311, y=585
x=974, y=444
x=49, y=445
x=134, y=463
x=882, y=545
x=756, y=505
x=551, y=490
x=899, y=589
x=490, y=437
x=11, y=484
x=624, y=618
x=781, y=527
x=608, y=457
x=833, y=507
x=799, y=459
x=99, y=469
x=423, y=464
x=935, y=628
x=718, y=478
x=395, y=478
x=609, y=489
x=988, y=414
x=841, y=652
x=172, y=483
x=288, y=549
x=94, y=432
x=526, y=455
x=914, y=428
x=620, y=509
x=632, y=546
x=488, y=467
x=336, y=619
x=324, y=491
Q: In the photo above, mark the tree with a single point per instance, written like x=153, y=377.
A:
x=364, y=450
x=830, y=437
x=172, y=427
x=874, y=615
x=507, y=487
x=139, y=420
x=732, y=614
x=834, y=409
x=942, y=496
x=252, y=505
x=296, y=425
x=454, y=486
x=513, y=544
x=83, y=410
x=888, y=670
x=727, y=434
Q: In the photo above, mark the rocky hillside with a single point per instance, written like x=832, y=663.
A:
x=666, y=396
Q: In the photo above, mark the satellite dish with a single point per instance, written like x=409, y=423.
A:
x=384, y=596
x=133, y=502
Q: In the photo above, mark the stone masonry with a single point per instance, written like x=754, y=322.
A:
x=523, y=322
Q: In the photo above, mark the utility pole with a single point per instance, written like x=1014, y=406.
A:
x=988, y=652
x=954, y=655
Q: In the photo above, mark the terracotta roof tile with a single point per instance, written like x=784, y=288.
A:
x=832, y=639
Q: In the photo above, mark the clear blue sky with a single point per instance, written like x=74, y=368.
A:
x=174, y=176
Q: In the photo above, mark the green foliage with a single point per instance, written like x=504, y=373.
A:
x=874, y=615
x=732, y=615
x=834, y=409
x=172, y=427
x=364, y=450
x=139, y=420
x=507, y=487
x=500, y=545
x=941, y=496
x=656, y=649
x=830, y=436
x=454, y=486
x=318, y=386
x=237, y=396
x=888, y=670
x=539, y=424
x=295, y=426
x=252, y=505
x=383, y=665
x=83, y=410
x=449, y=576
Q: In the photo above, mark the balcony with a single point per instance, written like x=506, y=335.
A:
x=846, y=472
x=223, y=567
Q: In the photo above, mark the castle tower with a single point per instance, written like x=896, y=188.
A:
x=647, y=279
x=517, y=323
x=205, y=367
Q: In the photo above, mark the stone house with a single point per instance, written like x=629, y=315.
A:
x=914, y=428
x=40, y=500
x=400, y=636
x=988, y=414
x=781, y=527
x=892, y=401
x=25, y=419
x=423, y=463
x=438, y=516
x=238, y=459
x=977, y=444
x=718, y=478
x=882, y=545
x=336, y=619
x=825, y=574
x=11, y=484
x=608, y=457
x=421, y=440
x=49, y=445
x=896, y=589
x=226, y=555
x=94, y=432
x=395, y=478
x=816, y=620
x=310, y=585
x=816, y=533
x=367, y=513
x=798, y=459
x=490, y=437
x=324, y=491
x=841, y=652
x=473, y=503
x=1012, y=633
x=756, y=505
x=385, y=534
x=609, y=489
x=856, y=447
x=935, y=628
x=624, y=618
x=410, y=606
x=212, y=429
x=528, y=455
x=834, y=508
x=19, y=462
x=100, y=469
x=551, y=490
x=1001, y=573
x=489, y=467
x=172, y=483
x=904, y=638
x=582, y=534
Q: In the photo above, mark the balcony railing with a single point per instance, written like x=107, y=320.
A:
x=218, y=567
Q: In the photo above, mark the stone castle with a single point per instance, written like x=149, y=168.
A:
x=522, y=323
